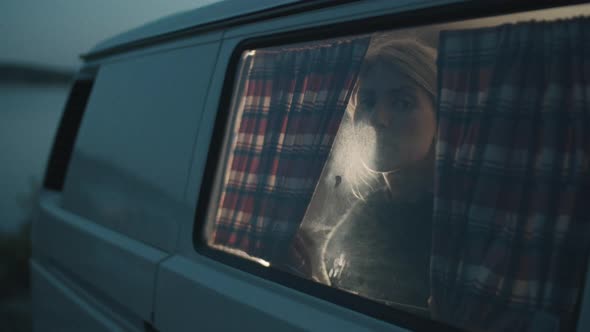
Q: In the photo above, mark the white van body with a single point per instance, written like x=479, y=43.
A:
x=113, y=247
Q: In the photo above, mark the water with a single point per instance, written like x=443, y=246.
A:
x=29, y=117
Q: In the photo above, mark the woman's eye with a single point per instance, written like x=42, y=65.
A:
x=367, y=102
x=403, y=105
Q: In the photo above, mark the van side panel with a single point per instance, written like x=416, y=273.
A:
x=98, y=243
x=131, y=160
x=58, y=308
x=120, y=268
x=201, y=294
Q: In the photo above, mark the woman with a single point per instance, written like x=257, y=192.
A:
x=381, y=248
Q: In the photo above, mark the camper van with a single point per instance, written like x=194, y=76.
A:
x=281, y=165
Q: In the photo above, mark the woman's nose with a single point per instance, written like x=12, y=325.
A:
x=382, y=116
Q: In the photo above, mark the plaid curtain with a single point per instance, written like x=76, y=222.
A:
x=511, y=216
x=287, y=114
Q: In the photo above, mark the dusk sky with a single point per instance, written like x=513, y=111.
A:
x=57, y=32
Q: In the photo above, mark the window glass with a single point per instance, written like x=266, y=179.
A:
x=441, y=170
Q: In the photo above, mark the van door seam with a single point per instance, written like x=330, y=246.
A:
x=155, y=289
x=207, y=97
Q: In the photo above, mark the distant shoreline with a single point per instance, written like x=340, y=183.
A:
x=34, y=74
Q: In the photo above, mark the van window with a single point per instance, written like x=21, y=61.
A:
x=442, y=171
x=66, y=134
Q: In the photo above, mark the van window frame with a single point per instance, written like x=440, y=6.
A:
x=68, y=127
x=436, y=14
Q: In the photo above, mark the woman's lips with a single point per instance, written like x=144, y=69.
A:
x=387, y=143
x=385, y=137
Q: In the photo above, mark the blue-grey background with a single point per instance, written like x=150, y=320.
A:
x=29, y=116
x=50, y=35
x=40, y=44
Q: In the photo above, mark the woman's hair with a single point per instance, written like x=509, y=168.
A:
x=410, y=56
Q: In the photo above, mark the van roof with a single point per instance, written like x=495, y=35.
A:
x=208, y=16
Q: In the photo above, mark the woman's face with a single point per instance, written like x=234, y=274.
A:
x=394, y=119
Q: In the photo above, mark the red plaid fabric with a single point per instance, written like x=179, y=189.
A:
x=511, y=221
x=287, y=114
